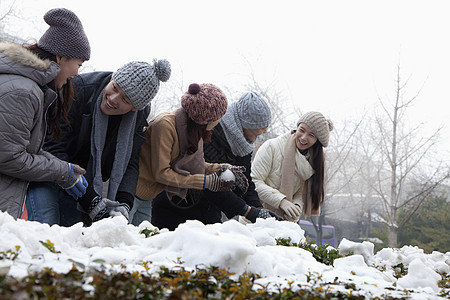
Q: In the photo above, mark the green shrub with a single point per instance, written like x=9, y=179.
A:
x=320, y=253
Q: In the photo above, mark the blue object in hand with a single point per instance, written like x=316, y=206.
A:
x=79, y=188
x=75, y=184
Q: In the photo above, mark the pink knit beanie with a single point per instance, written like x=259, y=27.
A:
x=204, y=103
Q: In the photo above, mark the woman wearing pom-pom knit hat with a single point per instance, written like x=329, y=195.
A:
x=288, y=170
x=36, y=91
x=104, y=137
x=173, y=172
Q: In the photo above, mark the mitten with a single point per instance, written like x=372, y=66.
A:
x=293, y=212
x=122, y=210
x=101, y=208
x=75, y=184
x=214, y=183
x=240, y=178
x=263, y=213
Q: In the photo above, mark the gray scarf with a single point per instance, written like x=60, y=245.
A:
x=124, y=147
x=234, y=133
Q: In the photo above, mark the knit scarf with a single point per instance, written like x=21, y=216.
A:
x=185, y=164
x=124, y=147
x=288, y=176
x=234, y=133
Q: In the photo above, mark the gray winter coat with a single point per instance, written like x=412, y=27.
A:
x=24, y=100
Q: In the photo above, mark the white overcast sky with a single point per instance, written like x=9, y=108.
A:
x=330, y=56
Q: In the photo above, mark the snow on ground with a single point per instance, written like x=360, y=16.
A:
x=231, y=245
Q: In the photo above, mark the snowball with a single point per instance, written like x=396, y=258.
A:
x=227, y=175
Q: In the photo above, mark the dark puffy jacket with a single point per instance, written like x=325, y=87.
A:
x=24, y=100
x=219, y=151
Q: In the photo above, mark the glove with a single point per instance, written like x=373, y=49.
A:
x=263, y=213
x=122, y=210
x=75, y=184
x=240, y=178
x=293, y=212
x=214, y=183
x=103, y=207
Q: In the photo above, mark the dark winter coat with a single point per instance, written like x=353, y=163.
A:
x=24, y=100
x=75, y=143
x=219, y=151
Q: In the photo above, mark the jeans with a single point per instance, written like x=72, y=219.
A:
x=47, y=202
x=141, y=211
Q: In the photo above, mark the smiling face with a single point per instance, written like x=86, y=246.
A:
x=304, y=137
x=114, y=101
x=69, y=69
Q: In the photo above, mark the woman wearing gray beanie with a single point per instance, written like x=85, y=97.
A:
x=36, y=92
x=288, y=170
x=105, y=136
x=233, y=142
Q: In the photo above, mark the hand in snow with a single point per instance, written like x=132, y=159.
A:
x=101, y=208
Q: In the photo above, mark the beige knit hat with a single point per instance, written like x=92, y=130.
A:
x=319, y=125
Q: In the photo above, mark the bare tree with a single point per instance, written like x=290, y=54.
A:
x=400, y=155
x=169, y=95
x=8, y=12
x=284, y=113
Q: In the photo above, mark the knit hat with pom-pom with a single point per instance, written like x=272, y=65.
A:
x=140, y=80
x=204, y=103
x=65, y=36
x=319, y=125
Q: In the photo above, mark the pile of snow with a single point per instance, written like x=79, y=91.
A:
x=231, y=245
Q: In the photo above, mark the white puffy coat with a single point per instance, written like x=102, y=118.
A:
x=266, y=173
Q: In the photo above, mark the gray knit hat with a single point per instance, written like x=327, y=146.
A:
x=253, y=111
x=65, y=36
x=319, y=125
x=140, y=80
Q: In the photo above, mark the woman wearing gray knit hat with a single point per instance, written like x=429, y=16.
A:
x=105, y=136
x=288, y=170
x=36, y=92
x=233, y=142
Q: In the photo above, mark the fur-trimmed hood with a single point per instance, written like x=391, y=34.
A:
x=15, y=59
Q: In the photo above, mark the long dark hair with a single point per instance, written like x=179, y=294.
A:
x=61, y=107
x=317, y=161
x=195, y=133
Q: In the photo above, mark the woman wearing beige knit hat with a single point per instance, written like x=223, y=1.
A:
x=288, y=171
